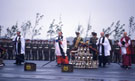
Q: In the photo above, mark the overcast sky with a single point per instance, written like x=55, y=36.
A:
x=73, y=12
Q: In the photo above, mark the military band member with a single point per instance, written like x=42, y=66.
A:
x=92, y=42
x=19, y=42
x=77, y=41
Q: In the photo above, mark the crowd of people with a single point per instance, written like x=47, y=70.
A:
x=104, y=51
x=103, y=45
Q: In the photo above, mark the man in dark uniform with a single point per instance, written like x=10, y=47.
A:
x=46, y=50
x=133, y=51
x=28, y=50
x=40, y=50
x=92, y=42
x=116, y=49
x=69, y=47
x=5, y=46
x=34, y=49
x=10, y=50
x=77, y=41
x=52, y=51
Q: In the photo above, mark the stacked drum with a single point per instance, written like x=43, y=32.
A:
x=82, y=58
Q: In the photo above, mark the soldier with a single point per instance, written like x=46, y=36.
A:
x=92, y=42
x=5, y=46
x=10, y=50
x=46, y=50
x=133, y=51
x=40, y=50
x=34, y=50
x=52, y=51
x=68, y=49
x=28, y=50
x=77, y=41
x=116, y=49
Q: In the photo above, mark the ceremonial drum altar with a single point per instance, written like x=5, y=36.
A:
x=82, y=58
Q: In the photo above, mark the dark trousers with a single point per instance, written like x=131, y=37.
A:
x=117, y=57
x=10, y=54
x=27, y=55
x=34, y=55
x=40, y=55
x=94, y=56
x=68, y=54
x=52, y=55
x=19, y=58
x=102, y=60
x=108, y=59
x=46, y=56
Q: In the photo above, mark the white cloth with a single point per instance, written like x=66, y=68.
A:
x=123, y=48
x=22, y=44
x=63, y=45
x=107, y=47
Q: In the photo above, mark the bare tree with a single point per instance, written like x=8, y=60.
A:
x=36, y=29
x=80, y=29
x=115, y=29
x=131, y=26
x=0, y=29
x=58, y=27
x=109, y=29
x=88, y=29
x=54, y=28
x=26, y=28
x=51, y=30
x=11, y=31
x=118, y=31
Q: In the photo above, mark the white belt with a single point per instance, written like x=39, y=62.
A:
x=34, y=47
x=27, y=47
x=46, y=47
